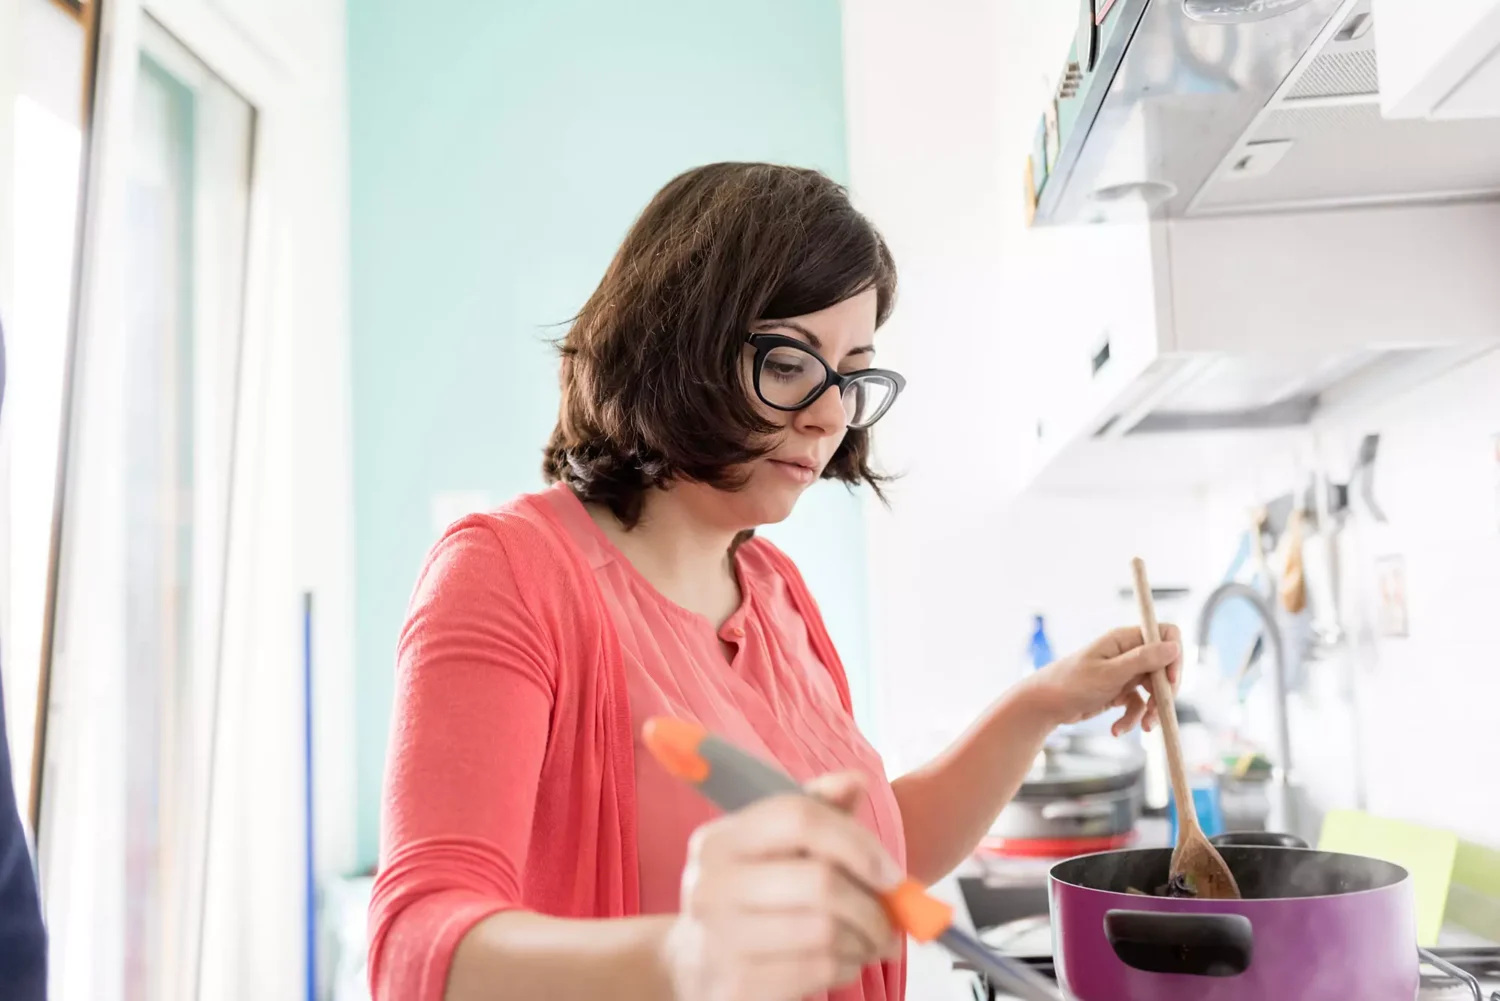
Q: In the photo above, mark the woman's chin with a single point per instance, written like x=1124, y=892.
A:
x=770, y=504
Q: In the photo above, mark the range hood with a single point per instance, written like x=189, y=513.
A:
x=1187, y=333
x=1231, y=242
x=1185, y=119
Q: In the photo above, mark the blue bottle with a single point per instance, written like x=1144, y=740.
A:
x=1206, y=802
x=1040, y=648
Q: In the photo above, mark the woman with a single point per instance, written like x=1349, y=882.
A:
x=529, y=848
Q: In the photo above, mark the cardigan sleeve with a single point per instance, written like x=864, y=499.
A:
x=475, y=684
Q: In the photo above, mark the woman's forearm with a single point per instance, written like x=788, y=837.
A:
x=948, y=805
x=521, y=955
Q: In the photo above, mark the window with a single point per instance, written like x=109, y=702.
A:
x=41, y=140
x=134, y=708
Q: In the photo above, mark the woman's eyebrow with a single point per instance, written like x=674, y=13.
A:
x=812, y=338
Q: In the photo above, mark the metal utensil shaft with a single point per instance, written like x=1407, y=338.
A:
x=1009, y=976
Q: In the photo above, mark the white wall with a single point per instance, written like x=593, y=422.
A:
x=937, y=97
x=940, y=103
x=308, y=504
x=1427, y=738
x=313, y=457
x=942, y=100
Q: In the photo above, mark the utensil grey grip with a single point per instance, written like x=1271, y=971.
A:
x=736, y=779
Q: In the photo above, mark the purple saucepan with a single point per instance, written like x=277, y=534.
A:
x=1313, y=926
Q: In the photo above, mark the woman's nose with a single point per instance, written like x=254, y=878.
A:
x=825, y=415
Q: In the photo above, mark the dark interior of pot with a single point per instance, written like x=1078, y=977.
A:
x=1262, y=873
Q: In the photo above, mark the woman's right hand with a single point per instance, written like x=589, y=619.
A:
x=778, y=899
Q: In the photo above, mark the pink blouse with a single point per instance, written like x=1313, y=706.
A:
x=776, y=699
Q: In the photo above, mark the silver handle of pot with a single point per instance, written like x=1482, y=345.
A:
x=1457, y=974
x=1075, y=809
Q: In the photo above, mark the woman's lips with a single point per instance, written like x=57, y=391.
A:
x=797, y=472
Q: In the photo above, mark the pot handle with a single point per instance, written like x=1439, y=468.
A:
x=1076, y=809
x=1256, y=839
x=1204, y=945
x=1453, y=971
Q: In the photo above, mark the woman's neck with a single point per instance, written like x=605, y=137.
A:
x=679, y=551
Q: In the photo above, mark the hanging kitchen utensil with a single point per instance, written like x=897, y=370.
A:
x=1293, y=589
x=1196, y=865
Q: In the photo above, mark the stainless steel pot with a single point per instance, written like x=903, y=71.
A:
x=1081, y=786
x=1096, y=815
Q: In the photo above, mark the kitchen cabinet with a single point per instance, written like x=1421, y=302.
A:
x=1099, y=292
x=1439, y=59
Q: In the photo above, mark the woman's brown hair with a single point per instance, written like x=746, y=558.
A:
x=652, y=389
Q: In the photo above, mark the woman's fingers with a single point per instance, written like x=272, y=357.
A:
x=777, y=977
x=1128, y=639
x=785, y=826
x=1135, y=709
x=791, y=933
x=812, y=886
x=1147, y=658
x=778, y=899
x=840, y=790
x=1121, y=662
x=1171, y=634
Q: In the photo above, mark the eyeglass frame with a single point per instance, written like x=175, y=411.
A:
x=764, y=344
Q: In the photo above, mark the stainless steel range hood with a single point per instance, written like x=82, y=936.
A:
x=1277, y=252
x=1194, y=119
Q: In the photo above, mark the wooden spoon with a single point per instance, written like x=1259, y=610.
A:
x=1194, y=858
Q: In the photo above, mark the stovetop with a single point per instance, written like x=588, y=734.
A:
x=1482, y=963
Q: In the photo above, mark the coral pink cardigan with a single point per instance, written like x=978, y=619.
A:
x=511, y=635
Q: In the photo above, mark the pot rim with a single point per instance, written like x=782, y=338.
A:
x=1046, y=790
x=1124, y=768
x=1199, y=904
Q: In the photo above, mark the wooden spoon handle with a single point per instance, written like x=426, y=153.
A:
x=1166, y=709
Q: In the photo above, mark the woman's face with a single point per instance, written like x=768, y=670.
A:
x=844, y=335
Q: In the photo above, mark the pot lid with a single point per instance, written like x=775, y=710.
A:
x=1076, y=768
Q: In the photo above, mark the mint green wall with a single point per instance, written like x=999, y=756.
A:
x=499, y=151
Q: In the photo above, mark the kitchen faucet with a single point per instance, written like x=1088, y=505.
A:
x=1281, y=769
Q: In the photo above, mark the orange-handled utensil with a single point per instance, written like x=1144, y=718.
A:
x=732, y=779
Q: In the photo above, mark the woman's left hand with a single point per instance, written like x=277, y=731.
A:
x=1109, y=674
